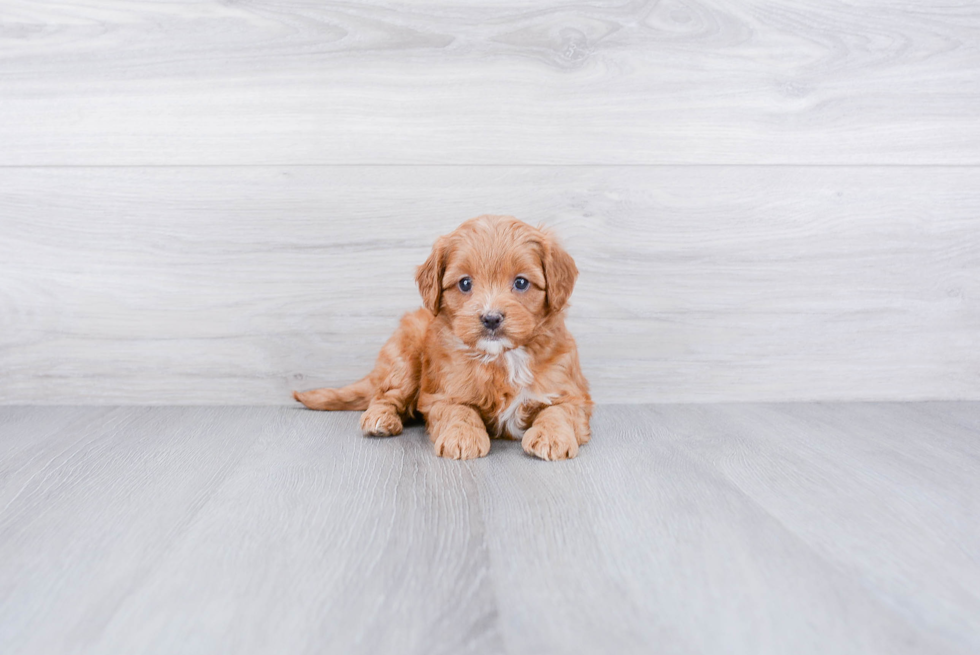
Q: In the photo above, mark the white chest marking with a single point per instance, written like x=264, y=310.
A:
x=509, y=420
x=491, y=349
x=518, y=363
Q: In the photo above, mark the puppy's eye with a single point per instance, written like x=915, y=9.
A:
x=521, y=284
x=466, y=285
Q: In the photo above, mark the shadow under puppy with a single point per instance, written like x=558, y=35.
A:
x=488, y=354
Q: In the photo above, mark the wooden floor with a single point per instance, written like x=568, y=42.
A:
x=792, y=528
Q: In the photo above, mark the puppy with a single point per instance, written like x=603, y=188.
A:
x=487, y=355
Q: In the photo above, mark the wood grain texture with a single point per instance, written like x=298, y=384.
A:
x=499, y=82
x=237, y=285
x=806, y=528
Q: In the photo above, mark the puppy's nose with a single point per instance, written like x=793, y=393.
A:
x=492, y=320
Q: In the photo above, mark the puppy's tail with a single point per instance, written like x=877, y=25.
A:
x=354, y=396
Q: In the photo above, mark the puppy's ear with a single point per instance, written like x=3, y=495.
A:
x=559, y=274
x=428, y=276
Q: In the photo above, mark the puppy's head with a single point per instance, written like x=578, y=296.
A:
x=496, y=278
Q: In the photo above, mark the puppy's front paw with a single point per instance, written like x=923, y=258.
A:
x=550, y=444
x=380, y=421
x=462, y=442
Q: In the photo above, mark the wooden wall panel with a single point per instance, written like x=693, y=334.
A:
x=238, y=284
x=96, y=82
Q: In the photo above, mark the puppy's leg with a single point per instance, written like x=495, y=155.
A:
x=381, y=420
x=395, y=378
x=457, y=431
x=558, y=431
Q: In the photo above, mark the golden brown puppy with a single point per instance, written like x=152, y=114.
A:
x=488, y=355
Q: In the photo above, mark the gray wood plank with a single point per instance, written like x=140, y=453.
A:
x=644, y=543
x=90, y=521
x=169, y=518
x=885, y=494
x=123, y=82
x=960, y=414
x=323, y=541
x=681, y=528
x=236, y=285
x=33, y=437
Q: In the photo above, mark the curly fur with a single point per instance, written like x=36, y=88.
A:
x=519, y=381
